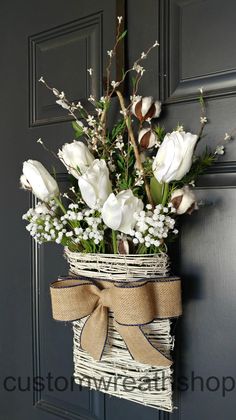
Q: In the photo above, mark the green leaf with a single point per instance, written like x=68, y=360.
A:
x=156, y=190
x=118, y=129
x=133, y=81
x=160, y=131
x=78, y=130
x=120, y=165
x=122, y=36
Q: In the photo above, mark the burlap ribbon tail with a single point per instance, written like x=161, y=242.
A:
x=133, y=305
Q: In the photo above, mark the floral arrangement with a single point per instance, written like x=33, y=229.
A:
x=129, y=184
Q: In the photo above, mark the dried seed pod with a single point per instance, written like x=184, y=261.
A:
x=147, y=138
x=184, y=200
x=145, y=108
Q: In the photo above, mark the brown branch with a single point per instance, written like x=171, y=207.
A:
x=136, y=150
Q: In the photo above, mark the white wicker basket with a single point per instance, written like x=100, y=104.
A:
x=117, y=373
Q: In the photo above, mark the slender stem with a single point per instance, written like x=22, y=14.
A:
x=103, y=120
x=59, y=203
x=165, y=193
x=142, y=249
x=136, y=150
x=114, y=241
x=203, y=115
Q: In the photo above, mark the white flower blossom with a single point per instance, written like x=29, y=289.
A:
x=118, y=211
x=139, y=69
x=72, y=189
x=119, y=143
x=135, y=98
x=76, y=157
x=110, y=53
x=91, y=98
x=56, y=92
x=95, y=185
x=119, y=18
x=99, y=111
x=91, y=120
x=38, y=179
x=227, y=137
x=219, y=150
x=62, y=95
x=152, y=226
x=180, y=128
x=63, y=104
x=174, y=157
x=203, y=120
x=138, y=182
x=90, y=71
x=114, y=84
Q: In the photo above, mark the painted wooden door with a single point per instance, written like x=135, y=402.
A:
x=60, y=40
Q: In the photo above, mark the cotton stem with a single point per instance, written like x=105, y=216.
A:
x=136, y=150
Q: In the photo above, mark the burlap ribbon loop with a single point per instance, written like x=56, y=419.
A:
x=134, y=304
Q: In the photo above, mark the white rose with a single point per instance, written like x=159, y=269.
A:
x=184, y=200
x=118, y=211
x=76, y=157
x=174, y=157
x=94, y=184
x=38, y=179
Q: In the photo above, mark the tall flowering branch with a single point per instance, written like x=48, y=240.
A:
x=136, y=67
x=203, y=117
x=108, y=95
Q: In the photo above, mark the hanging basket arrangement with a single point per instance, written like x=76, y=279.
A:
x=125, y=337
x=129, y=184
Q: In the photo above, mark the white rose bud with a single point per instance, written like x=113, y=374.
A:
x=94, y=184
x=76, y=157
x=146, y=108
x=184, y=200
x=38, y=179
x=118, y=211
x=147, y=138
x=174, y=156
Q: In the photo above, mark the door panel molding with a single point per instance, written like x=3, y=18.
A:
x=82, y=37
x=175, y=30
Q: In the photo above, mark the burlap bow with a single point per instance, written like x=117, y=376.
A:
x=133, y=305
